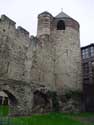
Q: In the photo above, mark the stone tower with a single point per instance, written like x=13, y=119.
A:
x=59, y=52
x=44, y=23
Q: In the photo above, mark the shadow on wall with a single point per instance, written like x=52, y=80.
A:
x=42, y=102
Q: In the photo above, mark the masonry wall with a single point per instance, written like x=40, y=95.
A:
x=51, y=60
x=43, y=68
x=14, y=45
x=15, y=66
x=68, y=59
x=44, y=24
x=59, y=56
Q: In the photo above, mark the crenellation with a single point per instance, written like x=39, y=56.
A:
x=4, y=18
x=23, y=31
x=8, y=27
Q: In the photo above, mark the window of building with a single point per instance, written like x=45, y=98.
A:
x=92, y=63
x=61, y=25
x=85, y=53
x=85, y=68
x=91, y=51
x=86, y=81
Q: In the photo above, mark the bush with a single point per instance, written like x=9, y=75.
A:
x=55, y=101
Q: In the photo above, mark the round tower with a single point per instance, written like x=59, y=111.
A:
x=44, y=23
x=58, y=60
x=59, y=55
x=65, y=35
x=62, y=21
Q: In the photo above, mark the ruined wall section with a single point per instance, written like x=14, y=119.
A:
x=42, y=65
x=30, y=62
x=4, y=55
x=14, y=44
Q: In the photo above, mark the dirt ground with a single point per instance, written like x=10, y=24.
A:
x=86, y=120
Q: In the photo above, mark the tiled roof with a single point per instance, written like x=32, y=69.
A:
x=61, y=15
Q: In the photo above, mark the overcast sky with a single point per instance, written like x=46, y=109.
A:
x=24, y=13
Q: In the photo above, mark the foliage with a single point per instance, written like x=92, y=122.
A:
x=55, y=103
x=73, y=94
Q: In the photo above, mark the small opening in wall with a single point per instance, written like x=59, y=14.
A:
x=61, y=25
x=12, y=98
x=4, y=30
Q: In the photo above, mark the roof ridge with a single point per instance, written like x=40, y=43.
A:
x=62, y=14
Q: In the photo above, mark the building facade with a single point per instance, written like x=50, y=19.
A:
x=88, y=76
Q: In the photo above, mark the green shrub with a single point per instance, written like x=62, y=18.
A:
x=73, y=94
x=55, y=101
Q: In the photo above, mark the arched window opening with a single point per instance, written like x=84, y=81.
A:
x=61, y=25
x=3, y=98
x=13, y=100
x=7, y=102
x=6, y=97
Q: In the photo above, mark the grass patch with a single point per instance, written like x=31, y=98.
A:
x=49, y=119
x=46, y=119
x=4, y=109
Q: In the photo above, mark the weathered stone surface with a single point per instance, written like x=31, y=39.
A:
x=70, y=102
x=58, y=55
x=20, y=96
x=32, y=66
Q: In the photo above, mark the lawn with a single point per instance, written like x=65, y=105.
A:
x=4, y=109
x=54, y=119
x=48, y=119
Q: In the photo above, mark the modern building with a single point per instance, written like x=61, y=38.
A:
x=88, y=76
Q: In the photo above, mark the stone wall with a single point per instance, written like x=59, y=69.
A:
x=44, y=23
x=68, y=59
x=59, y=56
x=14, y=45
x=20, y=96
x=43, y=68
x=50, y=61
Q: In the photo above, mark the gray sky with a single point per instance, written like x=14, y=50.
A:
x=24, y=13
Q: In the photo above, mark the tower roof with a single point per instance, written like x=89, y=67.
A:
x=62, y=14
x=45, y=13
